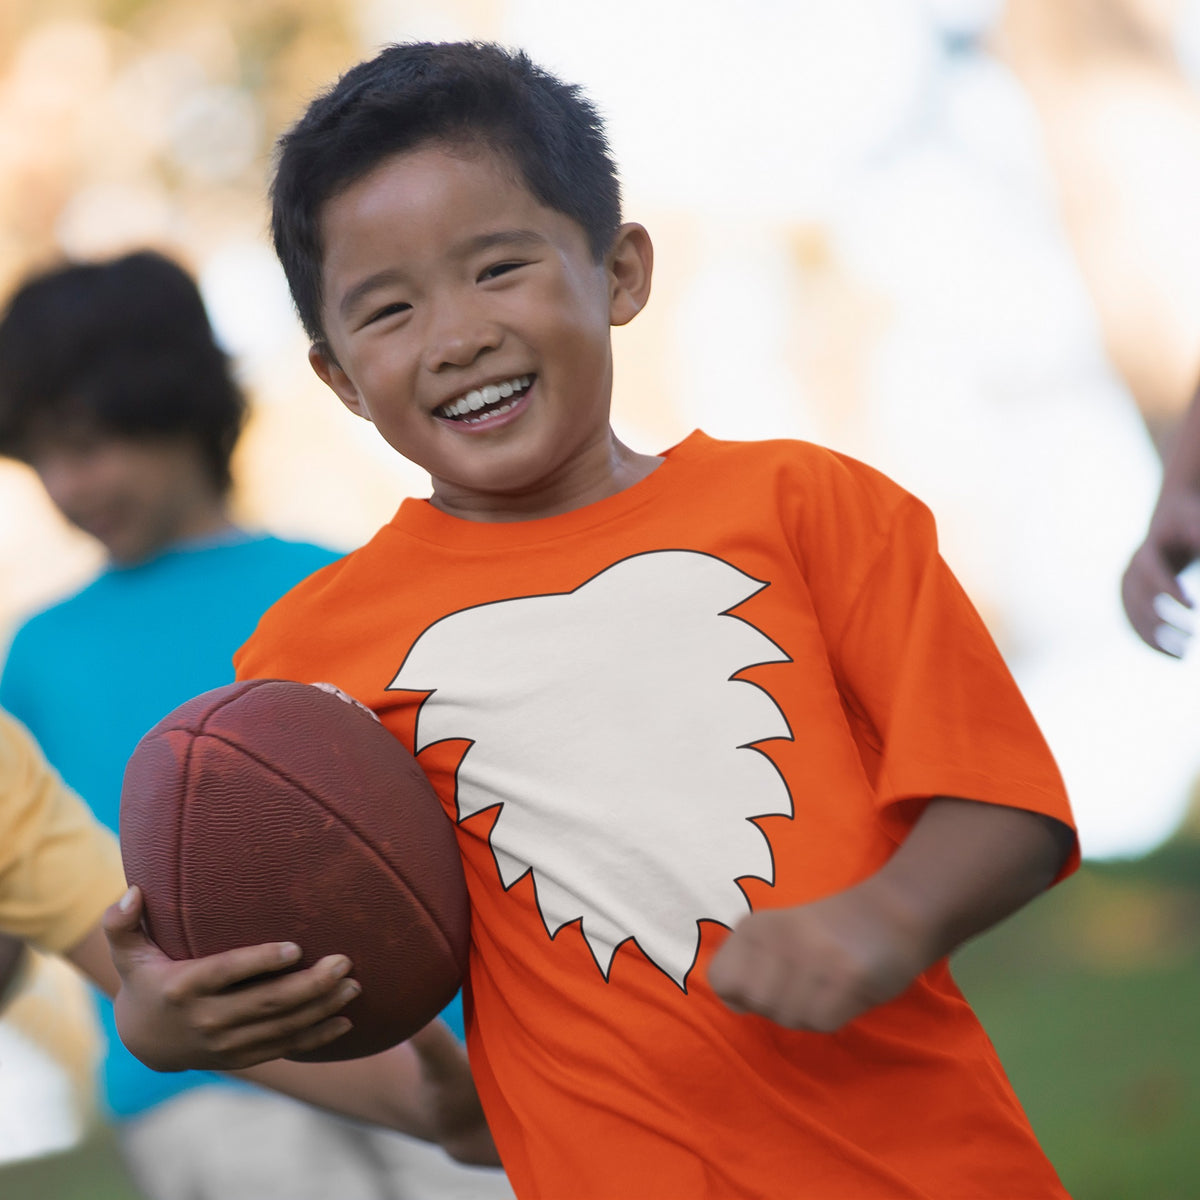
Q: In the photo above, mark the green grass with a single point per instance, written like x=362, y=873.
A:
x=1092, y=998
x=92, y=1171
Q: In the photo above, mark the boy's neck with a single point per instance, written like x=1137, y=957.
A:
x=610, y=469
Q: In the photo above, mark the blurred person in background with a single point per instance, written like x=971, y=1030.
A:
x=59, y=867
x=114, y=390
x=1159, y=603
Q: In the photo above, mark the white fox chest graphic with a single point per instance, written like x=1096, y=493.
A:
x=609, y=724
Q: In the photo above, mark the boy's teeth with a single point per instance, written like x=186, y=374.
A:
x=492, y=393
x=487, y=416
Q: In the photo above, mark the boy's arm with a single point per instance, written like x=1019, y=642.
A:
x=962, y=868
x=422, y=1087
x=202, y=1013
x=1172, y=542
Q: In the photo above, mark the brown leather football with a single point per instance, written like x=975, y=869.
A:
x=269, y=811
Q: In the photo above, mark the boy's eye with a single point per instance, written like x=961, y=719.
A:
x=500, y=269
x=387, y=310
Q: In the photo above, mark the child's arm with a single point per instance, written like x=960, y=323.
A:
x=191, y=1014
x=91, y=956
x=1172, y=542
x=422, y=1087
x=963, y=867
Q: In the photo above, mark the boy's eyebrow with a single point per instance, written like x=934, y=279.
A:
x=503, y=237
x=474, y=245
x=379, y=279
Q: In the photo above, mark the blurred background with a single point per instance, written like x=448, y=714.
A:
x=959, y=239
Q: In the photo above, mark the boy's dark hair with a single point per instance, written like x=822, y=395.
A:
x=125, y=345
x=454, y=92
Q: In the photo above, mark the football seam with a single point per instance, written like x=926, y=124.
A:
x=358, y=833
x=181, y=813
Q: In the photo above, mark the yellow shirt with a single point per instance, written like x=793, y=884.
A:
x=59, y=867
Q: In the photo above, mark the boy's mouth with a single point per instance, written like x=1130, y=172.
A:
x=482, y=403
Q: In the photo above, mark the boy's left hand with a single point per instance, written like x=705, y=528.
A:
x=203, y=1013
x=819, y=965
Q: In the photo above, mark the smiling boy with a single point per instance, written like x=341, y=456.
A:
x=733, y=762
x=486, y=291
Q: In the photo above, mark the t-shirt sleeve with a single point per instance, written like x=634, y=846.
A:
x=59, y=867
x=934, y=707
x=268, y=652
x=291, y=633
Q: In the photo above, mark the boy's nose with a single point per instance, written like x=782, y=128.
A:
x=457, y=336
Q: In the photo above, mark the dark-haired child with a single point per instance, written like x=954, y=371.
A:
x=733, y=763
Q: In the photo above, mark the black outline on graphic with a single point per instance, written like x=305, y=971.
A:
x=756, y=747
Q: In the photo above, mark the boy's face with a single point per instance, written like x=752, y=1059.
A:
x=136, y=496
x=471, y=325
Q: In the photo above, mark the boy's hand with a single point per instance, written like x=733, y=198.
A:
x=178, y=1015
x=819, y=965
x=963, y=867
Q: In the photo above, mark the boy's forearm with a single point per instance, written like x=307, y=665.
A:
x=381, y=1089
x=422, y=1087
x=967, y=865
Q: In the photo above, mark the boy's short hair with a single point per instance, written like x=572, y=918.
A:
x=124, y=345
x=414, y=93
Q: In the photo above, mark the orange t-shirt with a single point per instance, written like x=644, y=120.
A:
x=726, y=688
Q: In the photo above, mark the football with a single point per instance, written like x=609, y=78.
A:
x=269, y=810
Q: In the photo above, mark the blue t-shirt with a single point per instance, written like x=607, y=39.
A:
x=92, y=674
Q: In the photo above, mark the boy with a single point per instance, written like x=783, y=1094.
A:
x=733, y=763
x=113, y=389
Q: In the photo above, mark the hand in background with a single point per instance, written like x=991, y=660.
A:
x=1158, y=608
x=203, y=1013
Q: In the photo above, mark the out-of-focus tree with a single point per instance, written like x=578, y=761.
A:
x=1121, y=121
x=126, y=122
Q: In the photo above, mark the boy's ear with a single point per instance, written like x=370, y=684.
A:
x=332, y=375
x=630, y=266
